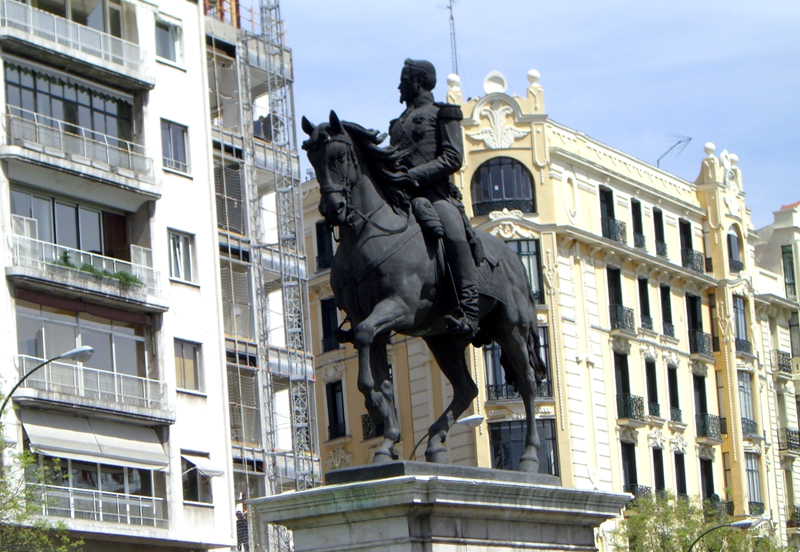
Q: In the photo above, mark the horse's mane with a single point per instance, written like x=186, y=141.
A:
x=385, y=165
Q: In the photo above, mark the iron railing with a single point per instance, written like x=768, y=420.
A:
x=669, y=329
x=544, y=389
x=756, y=508
x=64, y=33
x=735, y=266
x=708, y=426
x=614, y=229
x=336, y=430
x=783, y=361
x=675, y=414
x=480, y=208
x=369, y=429
x=22, y=126
x=723, y=426
x=654, y=409
x=638, y=491
x=53, y=258
x=788, y=439
x=500, y=391
x=638, y=240
x=630, y=407
x=749, y=427
x=621, y=318
x=693, y=260
x=102, y=506
x=646, y=322
x=791, y=290
x=699, y=342
x=661, y=248
x=793, y=516
x=743, y=346
x=112, y=389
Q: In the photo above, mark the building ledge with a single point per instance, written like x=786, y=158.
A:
x=711, y=441
x=102, y=409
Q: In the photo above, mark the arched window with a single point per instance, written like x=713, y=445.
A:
x=500, y=183
x=735, y=262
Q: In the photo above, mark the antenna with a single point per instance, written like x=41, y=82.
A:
x=683, y=142
x=453, y=38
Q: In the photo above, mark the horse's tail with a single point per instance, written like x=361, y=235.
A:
x=534, y=361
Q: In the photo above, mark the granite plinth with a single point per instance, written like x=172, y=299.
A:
x=439, y=513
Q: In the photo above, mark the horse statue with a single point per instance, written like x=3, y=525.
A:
x=389, y=276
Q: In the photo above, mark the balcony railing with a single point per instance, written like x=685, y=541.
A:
x=749, y=428
x=756, y=508
x=64, y=33
x=708, y=426
x=621, y=318
x=793, y=516
x=735, y=265
x=102, y=506
x=723, y=426
x=544, y=389
x=669, y=329
x=699, y=343
x=113, y=390
x=638, y=240
x=661, y=248
x=789, y=439
x=638, y=491
x=693, y=260
x=783, y=361
x=675, y=415
x=53, y=258
x=79, y=144
x=369, y=429
x=630, y=407
x=501, y=391
x=614, y=229
x=485, y=207
x=646, y=322
x=791, y=290
x=336, y=430
x=743, y=346
x=654, y=409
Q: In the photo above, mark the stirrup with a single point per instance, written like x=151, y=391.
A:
x=460, y=326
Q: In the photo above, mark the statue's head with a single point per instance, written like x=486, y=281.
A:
x=418, y=76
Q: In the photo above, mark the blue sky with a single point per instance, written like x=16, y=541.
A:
x=636, y=75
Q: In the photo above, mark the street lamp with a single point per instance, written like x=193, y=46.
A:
x=81, y=354
x=471, y=421
x=743, y=524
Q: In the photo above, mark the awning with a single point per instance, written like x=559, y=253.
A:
x=98, y=441
x=204, y=465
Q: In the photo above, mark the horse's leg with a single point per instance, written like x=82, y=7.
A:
x=373, y=380
x=514, y=344
x=449, y=354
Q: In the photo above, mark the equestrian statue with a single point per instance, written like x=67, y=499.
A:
x=409, y=261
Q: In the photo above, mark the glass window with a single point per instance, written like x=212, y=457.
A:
x=173, y=146
x=529, y=252
x=502, y=182
x=181, y=256
x=66, y=225
x=746, y=395
x=336, y=417
x=91, y=230
x=739, y=317
x=507, y=441
x=753, y=476
x=187, y=365
x=196, y=486
x=787, y=259
x=330, y=323
x=168, y=41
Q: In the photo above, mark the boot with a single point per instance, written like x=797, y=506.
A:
x=464, y=320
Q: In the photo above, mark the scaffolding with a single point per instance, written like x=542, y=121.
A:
x=261, y=240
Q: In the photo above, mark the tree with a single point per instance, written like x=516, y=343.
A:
x=22, y=528
x=665, y=523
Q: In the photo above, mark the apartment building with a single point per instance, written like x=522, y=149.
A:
x=663, y=338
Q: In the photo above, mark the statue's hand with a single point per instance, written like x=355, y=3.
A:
x=401, y=178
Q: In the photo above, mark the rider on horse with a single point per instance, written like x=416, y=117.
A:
x=428, y=134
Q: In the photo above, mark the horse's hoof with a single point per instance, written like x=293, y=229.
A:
x=383, y=457
x=528, y=465
x=436, y=455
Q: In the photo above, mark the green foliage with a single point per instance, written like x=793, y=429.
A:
x=21, y=500
x=126, y=279
x=64, y=260
x=669, y=524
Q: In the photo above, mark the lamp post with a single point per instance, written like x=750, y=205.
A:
x=473, y=421
x=743, y=524
x=81, y=354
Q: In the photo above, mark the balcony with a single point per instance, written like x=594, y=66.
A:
x=630, y=410
x=39, y=264
x=646, y=322
x=638, y=491
x=483, y=208
x=743, y=347
x=693, y=260
x=699, y=343
x=668, y=329
x=708, y=429
x=782, y=362
x=84, y=504
x=80, y=386
x=77, y=48
x=654, y=409
x=789, y=441
x=621, y=318
x=756, y=508
x=614, y=229
x=793, y=516
x=675, y=415
x=750, y=428
x=638, y=240
x=336, y=430
x=735, y=265
x=369, y=429
x=661, y=248
x=544, y=390
x=500, y=392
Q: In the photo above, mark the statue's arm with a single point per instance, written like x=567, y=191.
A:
x=451, y=156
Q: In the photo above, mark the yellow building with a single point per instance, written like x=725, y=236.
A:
x=666, y=344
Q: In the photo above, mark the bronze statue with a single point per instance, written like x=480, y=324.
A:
x=390, y=276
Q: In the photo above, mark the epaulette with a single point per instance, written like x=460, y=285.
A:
x=449, y=112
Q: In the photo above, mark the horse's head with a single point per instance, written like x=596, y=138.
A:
x=331, y=153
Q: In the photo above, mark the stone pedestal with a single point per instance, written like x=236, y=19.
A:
x=439, y=512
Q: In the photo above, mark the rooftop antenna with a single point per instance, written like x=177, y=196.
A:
x=453, y=38
x=682, y=142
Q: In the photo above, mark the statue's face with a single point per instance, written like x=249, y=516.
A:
x=409, y=86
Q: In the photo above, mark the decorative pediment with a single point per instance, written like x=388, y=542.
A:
x=649, y=352
x=670, y=358
x=508, y=230
x=500, y=134
x=333, y=372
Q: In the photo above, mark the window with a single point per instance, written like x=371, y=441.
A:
x=529, y=253
x=330, y=323
x=614, y=278
x=336, y=417
x=229, y=194
x=712, y=309
x=740, y=325
x=324, y=245
x=753, y=477
x=674, y=396
x=658, y=230
x=638, y=227
x=644, y=304
x=196, y=481
x=168, y=41
x=507, y=441
x=243, y=386
x=653, y=409
x=630, y=480
x=181, y=263
x=746, y=403
x=188, y=370
x=680, y=475
x=501, y=183
x=734, y=251
x=104, y=16
x=237, y=312
x=546, y=387
x=173, y=146
x=666, y=311
x=659, y=481
x=700, y=399
x=787, y=259
x=794, y=334
x=612, y=228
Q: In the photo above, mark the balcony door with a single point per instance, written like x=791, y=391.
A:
x=685, y=229
x=694, y=316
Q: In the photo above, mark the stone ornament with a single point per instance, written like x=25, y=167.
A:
x=498, y=135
